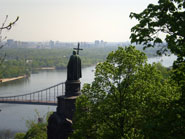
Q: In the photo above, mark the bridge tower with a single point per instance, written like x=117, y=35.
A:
x=60, y=122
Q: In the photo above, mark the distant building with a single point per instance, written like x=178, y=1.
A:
x=96, y=42
x=99, y=43
x=28, y=61
x=10, y=42
x=51, y=43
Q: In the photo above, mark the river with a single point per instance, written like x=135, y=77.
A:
x=13, y=116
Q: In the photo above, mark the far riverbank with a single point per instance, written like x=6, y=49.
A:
x=3, y=80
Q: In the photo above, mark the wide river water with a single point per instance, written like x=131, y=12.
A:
x=13, y=116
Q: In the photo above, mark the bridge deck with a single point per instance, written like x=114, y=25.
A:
x=46, y=96
x=32, y=102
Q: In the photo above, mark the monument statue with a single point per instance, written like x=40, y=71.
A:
x=60, y=122
x=74, y=71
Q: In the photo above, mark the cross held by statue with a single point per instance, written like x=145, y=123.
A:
x=78, y=48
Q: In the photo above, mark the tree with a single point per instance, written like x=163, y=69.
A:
x=126, y=93
x=167, y=17
x=5, y=27
x=37, y=129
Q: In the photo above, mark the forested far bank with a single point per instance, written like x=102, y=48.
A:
x=23, y=61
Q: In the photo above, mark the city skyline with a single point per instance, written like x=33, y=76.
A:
x=71, y=21
x=10, y=43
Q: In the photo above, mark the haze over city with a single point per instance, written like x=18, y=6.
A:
x=71, y=20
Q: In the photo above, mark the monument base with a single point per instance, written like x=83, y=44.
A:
x=59, y=127
x=72, y=88
x=66, y=106
x=60, y=122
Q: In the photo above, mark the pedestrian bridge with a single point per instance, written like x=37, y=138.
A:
x=47, y=96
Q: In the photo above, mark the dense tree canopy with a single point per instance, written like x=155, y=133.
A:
x=124, y=99
x=166, y=17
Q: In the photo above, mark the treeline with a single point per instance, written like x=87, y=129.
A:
x=21, y=61
x=14, y=68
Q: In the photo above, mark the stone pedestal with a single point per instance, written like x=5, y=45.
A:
x=60, y=122
x=72, y=88
x=66, y=106
x=59, y=127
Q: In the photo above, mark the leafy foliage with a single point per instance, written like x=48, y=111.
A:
x=125, y=98
x=36, y=129
x=167, y=17
x=166, y=72
x=179, y=73
x=19, y=136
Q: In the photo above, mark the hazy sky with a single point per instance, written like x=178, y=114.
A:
x=71, y=20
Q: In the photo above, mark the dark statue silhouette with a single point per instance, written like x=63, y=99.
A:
x=74, y=71
x=60, y=122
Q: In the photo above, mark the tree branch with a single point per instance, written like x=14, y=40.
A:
x=9, y=26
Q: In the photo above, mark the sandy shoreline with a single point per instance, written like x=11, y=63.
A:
x=46, y=68
x=12, y=79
